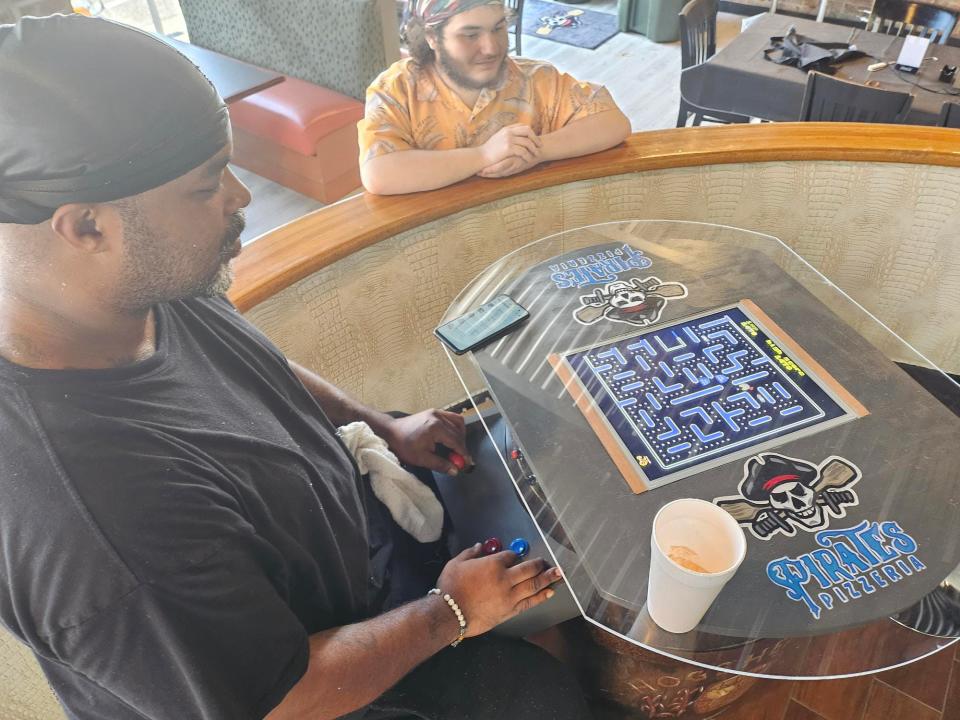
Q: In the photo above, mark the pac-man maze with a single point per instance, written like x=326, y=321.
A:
x=701, y=389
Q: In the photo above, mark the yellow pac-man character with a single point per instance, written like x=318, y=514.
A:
x=643, y=460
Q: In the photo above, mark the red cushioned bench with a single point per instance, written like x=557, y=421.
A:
x=300, y=135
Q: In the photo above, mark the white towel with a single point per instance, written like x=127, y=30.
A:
x=412, y=504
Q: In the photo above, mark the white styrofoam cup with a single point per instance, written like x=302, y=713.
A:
x=677, y=597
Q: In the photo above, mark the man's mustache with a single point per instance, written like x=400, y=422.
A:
x=237, y=223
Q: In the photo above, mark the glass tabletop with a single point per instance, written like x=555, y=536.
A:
x=667, y=359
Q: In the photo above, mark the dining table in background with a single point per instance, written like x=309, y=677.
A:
x=738, y=79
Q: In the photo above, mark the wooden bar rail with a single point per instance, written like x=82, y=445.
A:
x=314, y=241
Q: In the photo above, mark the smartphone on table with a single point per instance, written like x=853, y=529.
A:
x=481, y=325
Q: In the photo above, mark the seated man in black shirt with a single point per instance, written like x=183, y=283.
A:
x=182, y=532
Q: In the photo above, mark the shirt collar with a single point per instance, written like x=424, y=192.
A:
x=430, y=87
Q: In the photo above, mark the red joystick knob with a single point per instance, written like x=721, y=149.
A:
x=514, y=454
x=491, y=546
x=457, y=459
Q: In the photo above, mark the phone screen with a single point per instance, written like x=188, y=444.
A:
x=482, y=324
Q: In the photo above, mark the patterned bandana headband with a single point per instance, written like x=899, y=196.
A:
x=433, y=12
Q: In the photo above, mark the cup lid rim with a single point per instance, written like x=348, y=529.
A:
x=693, y=573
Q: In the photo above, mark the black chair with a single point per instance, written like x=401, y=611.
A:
x=515, y=18
x=827, y=99
x=901, y=17
x=698, y=43
x=949, y=115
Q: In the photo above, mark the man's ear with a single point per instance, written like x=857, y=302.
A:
x=88, y=228
x=431, y=35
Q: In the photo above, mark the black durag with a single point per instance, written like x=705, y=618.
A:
x=93, y=111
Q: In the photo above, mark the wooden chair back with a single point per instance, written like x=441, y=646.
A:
x=949, y=115
x=515, y=18
x=828, y=99
x=902, y=17
x=698, y=32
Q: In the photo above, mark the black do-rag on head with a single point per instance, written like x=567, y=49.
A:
x=93, y=111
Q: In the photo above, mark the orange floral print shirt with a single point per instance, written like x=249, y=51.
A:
x=409, y=107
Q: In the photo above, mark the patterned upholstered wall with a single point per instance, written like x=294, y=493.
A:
x=24, y=693
x=886, y=233
x=338, y=44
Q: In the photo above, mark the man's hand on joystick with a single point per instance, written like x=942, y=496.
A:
x=455, y=458
x=491, y=589
x=416, y=439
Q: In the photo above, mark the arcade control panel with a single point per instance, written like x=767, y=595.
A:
x=484, y=507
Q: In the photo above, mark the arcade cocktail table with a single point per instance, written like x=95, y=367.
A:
x=669, y=359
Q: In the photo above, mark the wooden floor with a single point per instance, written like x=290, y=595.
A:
x=925, y=690
x=643, y=76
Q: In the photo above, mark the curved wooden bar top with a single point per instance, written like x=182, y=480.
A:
x=318, y=239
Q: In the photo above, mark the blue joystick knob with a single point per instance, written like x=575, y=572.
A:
x=521, y=547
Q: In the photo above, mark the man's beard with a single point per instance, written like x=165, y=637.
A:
x=449, y=66
x=223, y=277
x=151, y=274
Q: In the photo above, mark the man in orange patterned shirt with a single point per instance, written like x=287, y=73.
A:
x=459, y=106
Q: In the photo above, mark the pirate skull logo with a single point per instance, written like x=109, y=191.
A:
x=637, y=302
x=797, y=498
x=782, y=494
x=569, y=19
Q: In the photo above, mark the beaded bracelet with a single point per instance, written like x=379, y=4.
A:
x=461, y=620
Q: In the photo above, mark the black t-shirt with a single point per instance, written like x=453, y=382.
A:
x=172, y=531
